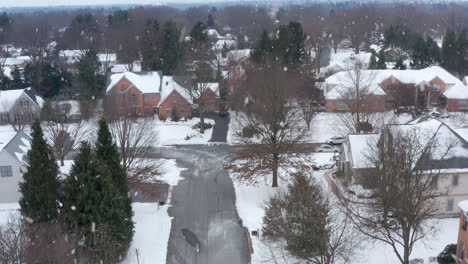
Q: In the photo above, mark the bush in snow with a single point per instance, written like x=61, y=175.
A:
x=446, y=256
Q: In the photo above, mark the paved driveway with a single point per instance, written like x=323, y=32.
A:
x=204, y=211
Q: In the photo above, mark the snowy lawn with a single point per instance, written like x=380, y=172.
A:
x=323, y=126
x=175, y=133
x=252, y=196
x=153, y=224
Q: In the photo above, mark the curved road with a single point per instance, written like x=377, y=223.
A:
x=203, y=207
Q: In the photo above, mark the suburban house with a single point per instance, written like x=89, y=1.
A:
x=452, y=175
x=13, y=147
x=462, y=242
x=151, y=93
x=19, y=106
x=388, y=89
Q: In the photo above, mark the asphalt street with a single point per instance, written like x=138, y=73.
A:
x=206, y=228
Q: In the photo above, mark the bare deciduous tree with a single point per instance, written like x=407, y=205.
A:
x=407, y=166
x=135, y=140
x=13, y=242
x=63, y=135
x=201, y=66
x=355, y=94
x=272, y=120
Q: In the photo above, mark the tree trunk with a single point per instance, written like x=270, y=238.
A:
x=202, y=122
x=275, y=169
x=62, y=162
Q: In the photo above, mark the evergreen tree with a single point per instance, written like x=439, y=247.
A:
x=289, y=45
x=89, y=80
x=373, y=61
x=399, y=65
x=433, y=51
x=462, y=46
x=171, y=52
x=199, y=33
x=449, y=52
x=381, y=64
x=263, y=47
x=107, y=152
x=40, y=188
x=94, y=207
x=210, y=21
x=420, y=54
x=150, y=48
x=224, y=51
x=17, y=80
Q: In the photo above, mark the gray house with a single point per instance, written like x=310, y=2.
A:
x=19, y=106
x=13, y=147
x=452, y=174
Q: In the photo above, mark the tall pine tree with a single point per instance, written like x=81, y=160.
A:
x=382, y=63
x=262, y=48
x=171, y=51
x=40, y=188
x=94, y=206
x=449, y=52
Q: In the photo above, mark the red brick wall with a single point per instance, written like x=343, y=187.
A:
x=211, y=101
x=462, y=238
x=454, y=105
x=376, y=103
x=114, y=99
x=181, y=105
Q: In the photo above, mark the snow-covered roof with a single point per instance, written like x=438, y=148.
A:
x=15, y=143
x=146, y=82
x=458, y=91
x=212, y=33
x=8, y=98
x=373, y=78
x=212, y=86
x=107, y=57
x=171, y=83
x=71, y=53
x=463, y=205
x=237, y=55
x=229, y=43
x=358, y=147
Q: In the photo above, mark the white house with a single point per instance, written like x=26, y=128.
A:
x=13, y=147
x=21, y=105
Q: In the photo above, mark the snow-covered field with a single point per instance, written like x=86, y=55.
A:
x=251, y=198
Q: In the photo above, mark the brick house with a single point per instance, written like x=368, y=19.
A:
x=387, y=89
x=151, y=93
x=462, y=242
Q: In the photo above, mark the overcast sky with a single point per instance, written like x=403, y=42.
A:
x=38, y=3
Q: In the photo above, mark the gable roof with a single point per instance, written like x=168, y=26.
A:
x=146, y=82
x=16, y=144
x=375, y=77
x=8, y=98
x=358, y=146
x=175, y=83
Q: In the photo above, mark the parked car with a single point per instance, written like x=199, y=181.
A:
x=327, y=148
x=336, y=140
